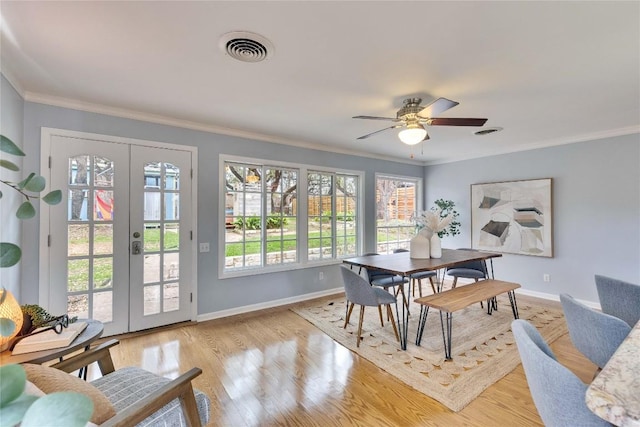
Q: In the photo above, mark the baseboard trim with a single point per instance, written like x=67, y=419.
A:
x=554, y=297
x=269, y=304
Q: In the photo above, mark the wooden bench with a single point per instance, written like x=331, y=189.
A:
x=462, y=297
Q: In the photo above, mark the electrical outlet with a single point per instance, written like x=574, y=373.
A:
x=321, y=276
x=204, y=247
x=546, y=278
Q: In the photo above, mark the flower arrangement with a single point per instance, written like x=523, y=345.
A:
x=431, y=222
x=440, y=219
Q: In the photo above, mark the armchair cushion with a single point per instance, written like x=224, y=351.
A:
x=51, y=380
x=126, y=386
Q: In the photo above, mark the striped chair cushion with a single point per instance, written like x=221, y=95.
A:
x=126, y=386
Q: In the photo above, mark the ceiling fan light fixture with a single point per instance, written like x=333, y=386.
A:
x=413, y=134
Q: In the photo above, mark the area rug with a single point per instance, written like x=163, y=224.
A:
x=483, y=352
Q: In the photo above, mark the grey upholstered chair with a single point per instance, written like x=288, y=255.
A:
x=416, y=278
x=559, y=395
x=358, y=291
x=475, y=270
x=620, y=299
x=597, y=335
x=386, y=281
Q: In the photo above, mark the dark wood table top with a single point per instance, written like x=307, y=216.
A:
x=92, y=332
x=401, y=263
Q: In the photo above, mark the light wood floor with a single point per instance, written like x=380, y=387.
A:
x=274, y=368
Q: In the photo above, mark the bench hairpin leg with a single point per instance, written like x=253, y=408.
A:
x=446, y=336
x=424, y=311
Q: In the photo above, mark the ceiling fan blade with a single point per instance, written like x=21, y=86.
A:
x=452, y=121
x=437, y=107
x=373, y=133
x=393, y=119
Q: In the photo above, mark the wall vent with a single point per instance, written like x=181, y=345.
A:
x=246, y=47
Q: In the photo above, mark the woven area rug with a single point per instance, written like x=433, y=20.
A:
x=483, y=351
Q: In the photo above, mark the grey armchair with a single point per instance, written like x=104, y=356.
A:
x=558, y=394
x=597, y=335
x=140, y=397
x=358, y=291
x=619, y=298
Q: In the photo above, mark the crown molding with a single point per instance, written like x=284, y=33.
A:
x=612, y=133
x=186, y=124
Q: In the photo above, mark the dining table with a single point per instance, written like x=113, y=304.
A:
x=402, y=264
x=614, y=395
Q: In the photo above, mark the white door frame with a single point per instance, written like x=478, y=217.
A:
x=44, y=296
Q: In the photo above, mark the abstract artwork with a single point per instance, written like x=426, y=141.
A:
x=512, y=217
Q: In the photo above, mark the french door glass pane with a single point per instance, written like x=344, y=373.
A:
x=103, y=239
x=101, y=303
x=78, y=236
x=151, y=268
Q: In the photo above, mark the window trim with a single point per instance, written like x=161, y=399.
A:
x=419, y=195
x=301, y=220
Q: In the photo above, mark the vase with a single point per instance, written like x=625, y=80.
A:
x=419, y=246
x=435, y=246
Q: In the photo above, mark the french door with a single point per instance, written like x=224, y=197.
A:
x=120, y=248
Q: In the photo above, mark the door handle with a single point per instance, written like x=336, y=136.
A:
x=136, y=247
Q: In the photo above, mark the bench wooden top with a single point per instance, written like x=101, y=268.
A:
x=464, y=296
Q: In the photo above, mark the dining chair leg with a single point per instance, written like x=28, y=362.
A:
x=393, y=322
x=380, y=313
x=433, y=286
x=360, y=325
x=413, y=288
x=348, y=316
x=455, y=280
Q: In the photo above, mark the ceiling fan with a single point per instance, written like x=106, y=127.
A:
x=414, y=117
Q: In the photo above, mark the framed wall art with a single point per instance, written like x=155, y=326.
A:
x=513, y=217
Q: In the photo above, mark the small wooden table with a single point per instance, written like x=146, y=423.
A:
x=614, y=394
x=402, y=264
x=92, y=332
x=462, y=297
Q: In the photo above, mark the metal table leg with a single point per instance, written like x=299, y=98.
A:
x=514, y=304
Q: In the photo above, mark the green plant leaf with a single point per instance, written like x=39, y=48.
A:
x=25, y=181
x=7, y=146
x=9, y=165
x=12, y=385
x=36, y=184
x=66, y=408
x=10, y=254
x=6, y=326
x=53, y=198
x=26, y=211
x=14, y=411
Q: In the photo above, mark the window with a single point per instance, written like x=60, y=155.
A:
x=331, y=222
x=265, y=225
x=397, y=199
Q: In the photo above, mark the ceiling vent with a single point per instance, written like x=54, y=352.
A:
x=487, y=131
x=246, y=47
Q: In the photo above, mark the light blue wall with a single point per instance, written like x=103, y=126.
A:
x=596, y=211
x=11, y=121
x=213, y=294
x=596, y=204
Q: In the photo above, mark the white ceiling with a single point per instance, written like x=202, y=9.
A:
x=547, y=72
